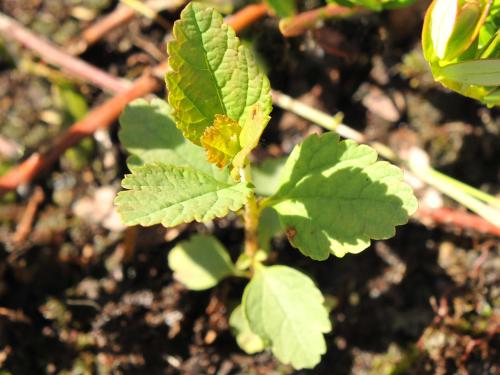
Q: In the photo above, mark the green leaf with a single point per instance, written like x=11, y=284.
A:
x=467, y=28
x=226, y=142
x=211, y=73
x=248, y=341
x=442, y=18
x=493, y=98
x=474, y=72
x=200, y=263
x=335, y=197
x=269, y=226
x=221, y=6
x=266, y=176
x=249, y=138
x=283, y=8
x=149, y=134
x=170, y=195
x=284, y=308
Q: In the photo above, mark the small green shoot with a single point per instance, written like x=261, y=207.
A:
x=189, y=161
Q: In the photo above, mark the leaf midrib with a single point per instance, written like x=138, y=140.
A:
x=205, y=57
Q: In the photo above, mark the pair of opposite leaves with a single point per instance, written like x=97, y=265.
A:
x=215, y=78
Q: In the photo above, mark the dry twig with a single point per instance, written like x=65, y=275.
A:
x=302, y=22
x=25, y=225
x=120, y=16
x=51, y=54
x=459, y=219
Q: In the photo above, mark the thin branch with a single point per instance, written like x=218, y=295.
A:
x=51, y=54
x=120, y=16
x=247, y=16
x=25, y=225
x=458, y=219
x=95, y=32
x=300, y=23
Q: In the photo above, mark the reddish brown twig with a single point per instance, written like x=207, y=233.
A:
x=120, y=16
x=247, y=16
x=459, y=219
x=302, y=22
x=95, y=32
x=14, y=315
x=51, y=54
x=25, y=225
x=100, y=117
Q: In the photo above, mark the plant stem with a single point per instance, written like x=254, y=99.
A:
x=476, y=193
x=250, y=218
x=456, y=192
x=50, y=53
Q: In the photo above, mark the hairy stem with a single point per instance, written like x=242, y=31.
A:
x=250, y=218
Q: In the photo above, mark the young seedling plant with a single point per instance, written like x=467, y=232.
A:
x=189, y=161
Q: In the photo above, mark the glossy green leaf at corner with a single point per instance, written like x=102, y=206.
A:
x=285, y=309
x=471, y=18
x=148, y=133
x=484, y=72
x=335, y=197
x=170, y=195
x=489, y=35
x=451, y=26
x=283, y=8
x=460, y=40
x=212, y=73
x=248, y=341
x=200, y=262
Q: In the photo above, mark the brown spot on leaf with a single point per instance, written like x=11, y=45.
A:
x=291, y=232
